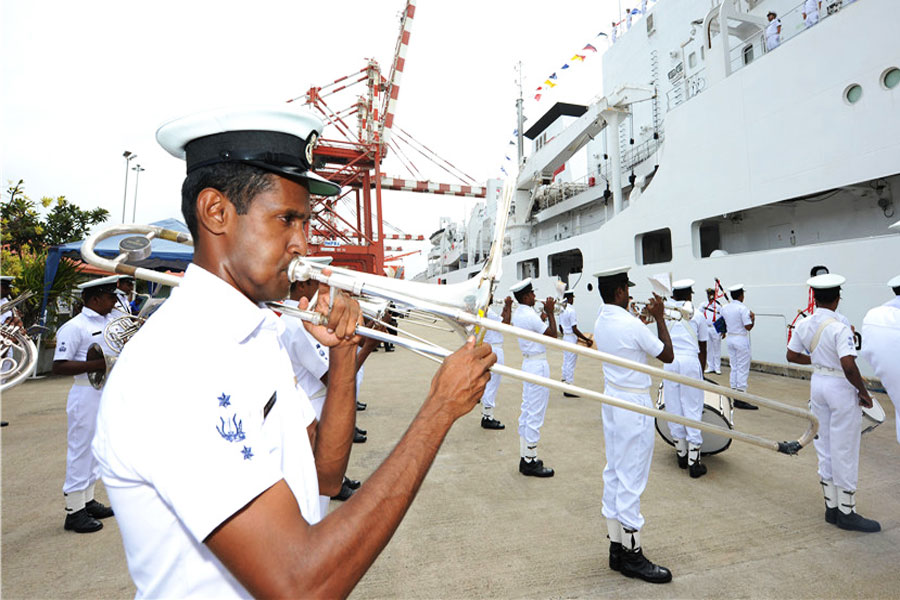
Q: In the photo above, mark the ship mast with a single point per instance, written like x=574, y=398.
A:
x=520, y=116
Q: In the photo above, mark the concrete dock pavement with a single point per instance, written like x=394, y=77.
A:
x=753, y=527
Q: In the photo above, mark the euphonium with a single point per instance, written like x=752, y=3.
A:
x=18, y=353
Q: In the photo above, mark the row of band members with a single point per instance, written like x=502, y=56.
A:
x=204, y=468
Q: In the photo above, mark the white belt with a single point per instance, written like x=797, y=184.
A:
x=820, y=370
x=538, y=356
x=630, y=390
x=737, y=332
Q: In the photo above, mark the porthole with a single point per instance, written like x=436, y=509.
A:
x=853, y=93
x=890, y=78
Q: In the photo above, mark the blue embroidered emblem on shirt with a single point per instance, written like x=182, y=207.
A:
x=224, y=399
x=247, y=453
x=62, y=346
x=234, y=431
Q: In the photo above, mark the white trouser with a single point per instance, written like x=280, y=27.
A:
x=812, y=18
x=629, y=450
x=714, y=351
x=834, y=402
x=359, y=378
x=489, y=398
x=82, y=469
x=773, y=42
x=684, y=400
x=534, y=401
x=879, y=350
x=739, y=356
x=569, y=360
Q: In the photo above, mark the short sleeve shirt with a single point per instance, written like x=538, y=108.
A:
x=525, y=318
x=737, y=317
x=835, y=342
x=78, y=334
x=491, y=336
x=190, y=432
x=568, y=319
x=618, y=332
x=687, y=333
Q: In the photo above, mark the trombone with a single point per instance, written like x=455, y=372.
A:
x=462, y=305
x=670, y=313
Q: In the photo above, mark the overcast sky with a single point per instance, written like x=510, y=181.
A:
x=84, y=81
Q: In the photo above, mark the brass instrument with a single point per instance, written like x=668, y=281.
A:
x=18, y=354
x=670, y=313
x=460, y=305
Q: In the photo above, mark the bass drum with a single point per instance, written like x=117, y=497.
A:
x=712, y=443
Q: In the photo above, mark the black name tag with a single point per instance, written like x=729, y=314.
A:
x=269, y=404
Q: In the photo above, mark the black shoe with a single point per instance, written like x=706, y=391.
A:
x=831, y=515
x=361, y=405
x=745, y=405
x=568, y=395
x=81, y=522
x=491, y=423
x=362, y=431
x=615, y=556
x=391, y=349
x=4, y=423
x=346, y=492
x=635, y=564
x=682, y=461
x=359, y=438
x=534, y=468
x=98, y=510
x=698, y=469
x=353, y=484
x=856, y=522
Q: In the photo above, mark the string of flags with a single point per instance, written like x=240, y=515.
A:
x=552, y=80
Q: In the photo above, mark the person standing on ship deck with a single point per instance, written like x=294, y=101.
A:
x=534, y=360
x=495, y=339
x=628, y=435
x=689, y=338
x=711, y=312
x=880, y=341
x=568, y=325
x=739, y=320
x=773, y=31
x=836, y=392
x=811, y=10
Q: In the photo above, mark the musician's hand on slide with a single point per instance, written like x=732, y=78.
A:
x=656, y=308
x=343, y=315
x=459, y=383
x=549, y=304
x=865, y=399
x=508, y=301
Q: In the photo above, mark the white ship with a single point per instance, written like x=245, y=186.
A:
x=709, y=155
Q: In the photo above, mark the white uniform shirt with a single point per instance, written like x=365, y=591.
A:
x=491, y=336
x=687, y=333
x=618, y=332
x=773, y=38
x=737, y=317
x=811, y=8
x=123, y=305
x=309, y=357
x=77, y=334
x=525, y=318
x=200, y=416
x=895, y=303
x=835, y=342
x=568, y=319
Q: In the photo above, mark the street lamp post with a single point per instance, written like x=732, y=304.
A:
x=128, y=158
x=137, y=169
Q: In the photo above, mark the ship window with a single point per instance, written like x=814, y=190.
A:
x=654, y=247
x=692, y=60
x=853, y=93
x=528, y=268
x=702, y=52
x=650, y=27
x=564, y=263
x=891, y=78
x=748, y=54
x=709, y=238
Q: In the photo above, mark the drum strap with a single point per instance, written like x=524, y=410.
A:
x=815, y=341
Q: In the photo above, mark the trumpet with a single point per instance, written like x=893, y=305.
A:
x=670, y=313
x=460, y=305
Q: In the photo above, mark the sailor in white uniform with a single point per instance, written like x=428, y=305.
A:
x=628, y=435
x=836, y=392
x=739, y=320
x=880, y=341
x=72, y=342
x=689, y=338
x=773, y=32
x=495, y=339
x=124, y=294
x=712, y=310
x=568, y=325
x=534, y=360
x=811, y=12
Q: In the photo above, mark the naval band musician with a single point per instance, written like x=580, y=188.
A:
x=628, y=435
x=836, y=391
x=880, y=340
x=215, y=494
x=495, y=339
x=739, y=320
x=74, y=338
x=689, y=338
x=568, y=325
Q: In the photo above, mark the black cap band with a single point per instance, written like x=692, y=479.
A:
x=271, y=150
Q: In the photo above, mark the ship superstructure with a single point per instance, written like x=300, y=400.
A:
x=710, y=155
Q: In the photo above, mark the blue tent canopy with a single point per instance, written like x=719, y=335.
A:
x=164, y=255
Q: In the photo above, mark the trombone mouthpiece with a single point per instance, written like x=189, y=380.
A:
x=298, y=270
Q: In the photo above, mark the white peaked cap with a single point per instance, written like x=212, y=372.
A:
x=826, y=281
x=683, y=284
x=736, y=287
x=112, y=279
x=521, y=285
x=894, y=282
